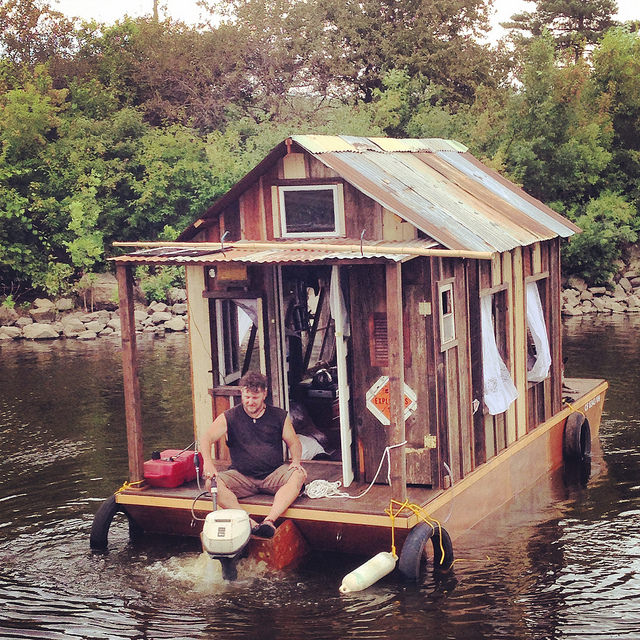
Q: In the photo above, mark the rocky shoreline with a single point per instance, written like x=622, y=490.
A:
x=49, y=320
x=579, y=299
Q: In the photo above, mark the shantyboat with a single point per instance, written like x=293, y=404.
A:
x=403, y=300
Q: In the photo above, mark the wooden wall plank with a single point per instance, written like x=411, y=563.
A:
x=416, y=426
x=251, y=222
x=555, y=293
x=294, y=166
x=520, y=342
x=200, y=349
x=507, y=278
x=396, y=434
x=475, y=353
x=463, y=365
x=370, y=433
x=432, y=356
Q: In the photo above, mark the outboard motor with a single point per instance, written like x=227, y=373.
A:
x=225, y=534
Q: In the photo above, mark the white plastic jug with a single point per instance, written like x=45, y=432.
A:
x=368, y=573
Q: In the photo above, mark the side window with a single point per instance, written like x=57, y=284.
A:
x=239, y=338
x=447, y=317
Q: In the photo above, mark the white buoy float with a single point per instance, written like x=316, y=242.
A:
x=368, y=573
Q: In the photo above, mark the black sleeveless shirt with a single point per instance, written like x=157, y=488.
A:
x=255, y=445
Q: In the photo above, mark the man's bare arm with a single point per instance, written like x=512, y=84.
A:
x=216, y=431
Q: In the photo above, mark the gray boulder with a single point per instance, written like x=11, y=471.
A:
x=95, y=325
x=39, y=331
x=43, y=303
x=10, y=333
x=157, y=306
x=43, y=313
x=23, y=321
x=175, y=324
x=8, y=316
x=87, y=335
x=64, y=304
x=159, y=317
x=72, y=327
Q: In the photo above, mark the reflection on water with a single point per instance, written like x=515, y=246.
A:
x=561, y=562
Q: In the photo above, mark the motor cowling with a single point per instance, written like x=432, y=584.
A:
x=225, y=532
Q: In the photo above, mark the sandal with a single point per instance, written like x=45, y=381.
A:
x=266, y=529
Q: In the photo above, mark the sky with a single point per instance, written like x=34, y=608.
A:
x=188, y=11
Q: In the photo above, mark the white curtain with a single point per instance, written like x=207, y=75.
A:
x=499, y=390
x=538, y=329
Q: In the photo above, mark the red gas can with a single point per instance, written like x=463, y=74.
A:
x=173, y=468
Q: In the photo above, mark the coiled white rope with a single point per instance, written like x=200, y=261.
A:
x=325, y=489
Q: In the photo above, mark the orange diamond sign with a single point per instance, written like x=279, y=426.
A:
x=379, y=404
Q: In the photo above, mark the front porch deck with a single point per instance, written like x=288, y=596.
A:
x=352, y=523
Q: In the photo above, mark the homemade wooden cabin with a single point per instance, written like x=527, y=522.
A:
x=403, y=300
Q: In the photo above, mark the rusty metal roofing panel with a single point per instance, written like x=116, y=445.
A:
x=415, y=145
x=322, y=144
x=519, y=226
x=389, y=190
x=459, y=206
x=517, y=198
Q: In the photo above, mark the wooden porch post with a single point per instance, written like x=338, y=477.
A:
x=396, y=381
x=133, y=413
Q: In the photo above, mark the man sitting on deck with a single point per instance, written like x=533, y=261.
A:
x=255, y=432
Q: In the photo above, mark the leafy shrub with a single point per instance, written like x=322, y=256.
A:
x=156, y=282
x=607, y=227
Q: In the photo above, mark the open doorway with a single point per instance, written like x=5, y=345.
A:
x=316, y=332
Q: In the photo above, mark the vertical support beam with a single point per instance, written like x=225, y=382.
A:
x=395, y=342
x=133, y=412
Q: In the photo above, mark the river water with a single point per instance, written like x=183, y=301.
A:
x=562, y=561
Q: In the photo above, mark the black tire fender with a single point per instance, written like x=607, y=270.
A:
x=102, y=522
x=576, y=439
x=412, y=557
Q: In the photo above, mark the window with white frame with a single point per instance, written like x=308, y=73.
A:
x=447, y=318
x=311, y=211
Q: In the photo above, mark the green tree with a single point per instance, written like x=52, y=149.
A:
x=31, y=32
x=559, y=133
x=616, y=74
x=574, y=24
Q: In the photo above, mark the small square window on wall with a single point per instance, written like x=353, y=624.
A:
x=308, y=211
x=447, y=318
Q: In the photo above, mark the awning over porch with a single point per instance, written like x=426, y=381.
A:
x=286, y=252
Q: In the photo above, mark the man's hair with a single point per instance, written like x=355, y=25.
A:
x=254, y=381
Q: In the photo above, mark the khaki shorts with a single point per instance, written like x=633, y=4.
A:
x=245, y=486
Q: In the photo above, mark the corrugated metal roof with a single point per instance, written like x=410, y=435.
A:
x=442, y=190
x=280, y=252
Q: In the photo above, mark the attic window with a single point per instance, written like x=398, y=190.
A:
x=311, y=210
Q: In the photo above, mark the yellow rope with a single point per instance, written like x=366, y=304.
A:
x=419, y=512
x=393, y=515
x=128, y=485
x=574, y=410
x=488, y=559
